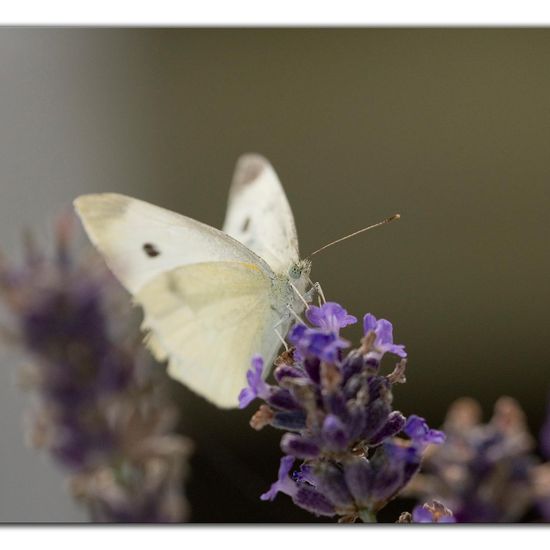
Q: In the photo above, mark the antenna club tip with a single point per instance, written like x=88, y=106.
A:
x=395, y=217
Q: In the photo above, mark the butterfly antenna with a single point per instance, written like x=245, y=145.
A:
x=383, y=222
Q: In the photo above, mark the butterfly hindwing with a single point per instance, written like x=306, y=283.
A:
x=209, y=319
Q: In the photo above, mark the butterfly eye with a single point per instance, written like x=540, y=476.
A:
x=295, y=272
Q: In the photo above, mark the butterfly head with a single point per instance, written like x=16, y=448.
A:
x=299, y=269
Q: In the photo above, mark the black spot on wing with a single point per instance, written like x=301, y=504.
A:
x=246, y=225
x=151, y=250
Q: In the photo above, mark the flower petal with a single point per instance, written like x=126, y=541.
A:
x=283, y=484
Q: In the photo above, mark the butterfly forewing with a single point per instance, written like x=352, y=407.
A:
x=258, y=213
x=140, y=241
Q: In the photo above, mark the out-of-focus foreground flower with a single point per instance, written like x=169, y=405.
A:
x=101, y=409
x=342, y=456
x=485, y=472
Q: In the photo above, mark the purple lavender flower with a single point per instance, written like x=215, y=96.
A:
x=428, y=513
x=284, y=483
x=417, y=429
x=323, y=345
x=300, y=487
x=485, y=473
x=337, y=413
x=102, y=412
x=383, y=338
x=330, y=316
x=420, y=514
x=256, y=385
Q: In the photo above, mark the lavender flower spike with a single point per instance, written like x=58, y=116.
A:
x=100, y=406
x=338, y=419
x=485, y=472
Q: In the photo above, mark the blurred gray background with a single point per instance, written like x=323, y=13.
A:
x=449, y=127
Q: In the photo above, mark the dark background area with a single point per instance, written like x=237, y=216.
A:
x=449, y=127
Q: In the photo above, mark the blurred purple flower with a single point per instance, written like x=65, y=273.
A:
x=544, y=438
x=541, y=473
x=485, y=473
x=101, y=412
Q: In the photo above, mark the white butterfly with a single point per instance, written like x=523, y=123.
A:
x=211, y=299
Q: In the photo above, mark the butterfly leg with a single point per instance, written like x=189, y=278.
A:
x=294, y=314
x=283, y=341
x=304, y=300
x=315, y=290
x=320, y=292
x=286, y=316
